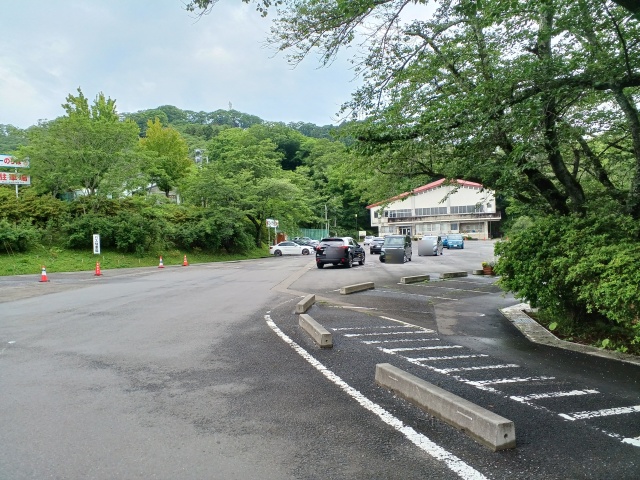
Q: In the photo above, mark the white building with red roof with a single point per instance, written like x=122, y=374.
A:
x=440, y=207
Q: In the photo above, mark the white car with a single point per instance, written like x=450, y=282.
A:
x=289, y=248
x=367, y=239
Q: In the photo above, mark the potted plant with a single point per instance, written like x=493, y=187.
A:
x=487, y=267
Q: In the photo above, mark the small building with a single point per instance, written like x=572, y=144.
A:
x=438, y=208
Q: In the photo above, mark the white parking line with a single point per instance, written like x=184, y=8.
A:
x=464, y=471
x=453, y=357
x=381, y=327
x=393, y=351
x=607, y=412
x=632, y=441
x=538, y=396
x=398, y=340
x=483, y=384
x=485, y=367
x=377, y=334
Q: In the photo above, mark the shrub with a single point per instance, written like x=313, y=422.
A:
x=17, y=237
x=582, y=271
x=80, y=231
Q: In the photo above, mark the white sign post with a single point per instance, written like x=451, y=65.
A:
x=271, y=223
x=96, y=244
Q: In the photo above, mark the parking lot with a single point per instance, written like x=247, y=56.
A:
x=450, y=333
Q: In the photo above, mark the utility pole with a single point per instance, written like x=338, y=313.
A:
x=326, y=219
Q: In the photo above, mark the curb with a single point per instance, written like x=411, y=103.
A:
x=536, y=333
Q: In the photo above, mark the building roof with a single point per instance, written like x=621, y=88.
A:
x=425, y=188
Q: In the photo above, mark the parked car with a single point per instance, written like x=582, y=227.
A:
x=430, y=245
x=289, y=248
x=368, y=239
x=339, y=251
x=376, y=245
x=396, y=246
x=455, y=241
x=306, y=241
x=445, y=241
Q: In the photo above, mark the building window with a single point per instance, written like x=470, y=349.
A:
x=425, y=212
x=463, y=209
x=398, y=213
x=472, y=227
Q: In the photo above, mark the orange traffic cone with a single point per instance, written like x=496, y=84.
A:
x=185, y=263
x=98, y=269
x=43, y=277
x=161, y=264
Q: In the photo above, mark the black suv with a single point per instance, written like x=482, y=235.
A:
x=339, y=251
x=396, y=247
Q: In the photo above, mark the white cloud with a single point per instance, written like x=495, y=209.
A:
x=145, y=55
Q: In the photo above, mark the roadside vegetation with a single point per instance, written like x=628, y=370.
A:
x=536, y=100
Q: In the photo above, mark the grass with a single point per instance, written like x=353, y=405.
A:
x=60, y=260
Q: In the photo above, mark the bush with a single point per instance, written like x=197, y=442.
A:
x=582, y=271
x=80, y=231
x=17, y=237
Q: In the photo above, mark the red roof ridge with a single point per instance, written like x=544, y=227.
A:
x=424, y=188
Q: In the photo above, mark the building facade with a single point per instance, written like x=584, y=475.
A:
x=438, y=208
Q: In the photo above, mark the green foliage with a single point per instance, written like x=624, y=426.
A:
x=17, y=237
x=584, y=272
x=79, y=231
x=166, y=161
x=79, y=150
x=11, y=138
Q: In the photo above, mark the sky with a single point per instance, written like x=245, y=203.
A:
x=145, y=54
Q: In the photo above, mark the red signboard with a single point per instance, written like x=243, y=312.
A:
x=7, y=178
x=12, y=162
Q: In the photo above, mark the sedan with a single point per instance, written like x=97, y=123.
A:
x=289, y=248
x=376, y=245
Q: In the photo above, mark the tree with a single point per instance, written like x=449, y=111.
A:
x=11, y=138
x=244, y=177
x=167, y=160
x=77, y=150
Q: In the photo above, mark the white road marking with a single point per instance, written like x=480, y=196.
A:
x=453, y=357
x=483, y=384
x=485, y=367
x=377, y=334
x=381, y=327
x=393, y=351
x=397, y=340
x=607, y=412
x=455, y=464
x=632, y=441
x=538, y=396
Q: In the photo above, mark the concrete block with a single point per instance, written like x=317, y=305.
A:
x=415, y=279
x=484, y=426
x=358, y=287
x=305, y=304
x=454, y=274
x=319, y=334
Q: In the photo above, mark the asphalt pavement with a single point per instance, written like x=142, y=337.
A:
x=203, y=372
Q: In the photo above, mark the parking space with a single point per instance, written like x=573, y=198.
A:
x=370, y=333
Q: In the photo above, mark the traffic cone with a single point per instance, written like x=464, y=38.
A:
x=184, y=262
x=98, y=269
x=161, y=264
x=43, y=277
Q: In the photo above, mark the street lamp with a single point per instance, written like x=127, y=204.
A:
x=356, y=225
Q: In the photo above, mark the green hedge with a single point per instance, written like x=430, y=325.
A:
x=584, y=272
